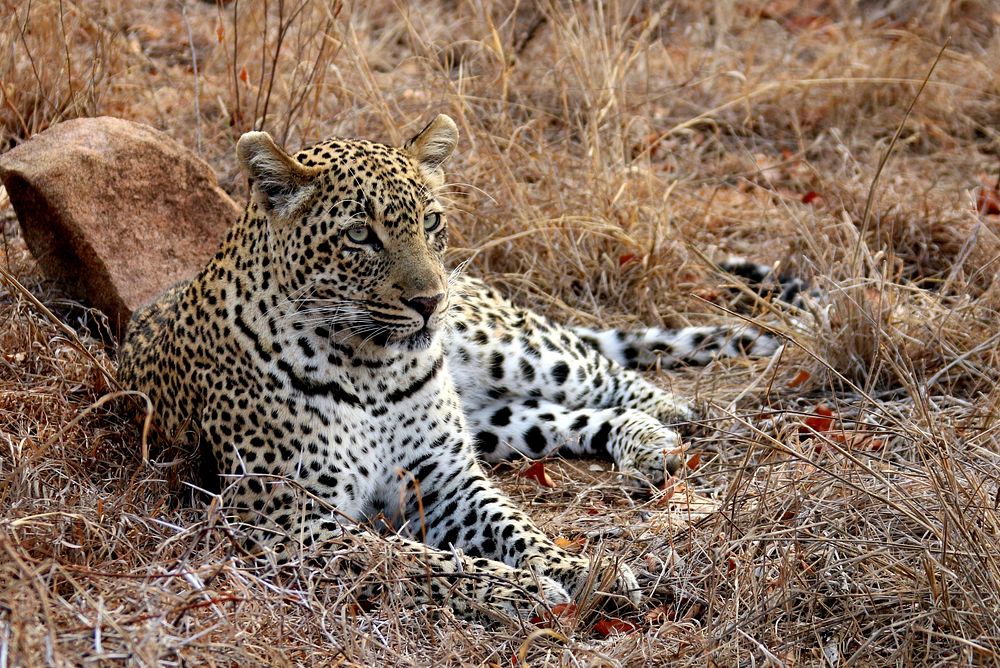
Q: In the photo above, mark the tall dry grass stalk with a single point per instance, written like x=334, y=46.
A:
x=608, y=150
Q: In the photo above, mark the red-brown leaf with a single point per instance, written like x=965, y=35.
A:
x=988, y=202
x=538, y=473
x=801, y=377
x=559, y=610
x=670, y=487
x=564, y=610
x=811, y=197
x=820, y=420
x=611, y=625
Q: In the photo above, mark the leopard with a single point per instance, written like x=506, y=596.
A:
x=338, y=377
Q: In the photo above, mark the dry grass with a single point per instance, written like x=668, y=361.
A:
x=606, y=149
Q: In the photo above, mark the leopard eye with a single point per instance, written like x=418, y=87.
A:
x=432, y=221
x=362, y=234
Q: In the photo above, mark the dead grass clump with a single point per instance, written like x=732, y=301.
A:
x=845, y=505
x=851, y=564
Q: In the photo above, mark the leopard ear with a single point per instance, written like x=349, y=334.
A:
x=432, y=145
x=280, y=184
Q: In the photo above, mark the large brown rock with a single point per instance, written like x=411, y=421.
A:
x=115, y=211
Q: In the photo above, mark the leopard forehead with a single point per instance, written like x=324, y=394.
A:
x=383, y=179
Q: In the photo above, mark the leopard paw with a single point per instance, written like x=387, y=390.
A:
x=576, y=574
x=647, y=452
x=653, y=464
x=626, y=585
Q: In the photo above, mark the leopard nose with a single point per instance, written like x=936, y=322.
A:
x=425, y=306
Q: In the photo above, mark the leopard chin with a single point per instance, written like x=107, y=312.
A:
x=422, y=339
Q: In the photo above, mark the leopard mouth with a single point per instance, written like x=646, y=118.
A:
x=414, y=341
x=393, y=336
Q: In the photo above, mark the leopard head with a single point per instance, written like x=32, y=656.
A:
x=354, y=232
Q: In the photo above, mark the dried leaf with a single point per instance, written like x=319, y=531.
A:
x=538, y=473
x=821, y=419
x=571, y=544
x=661, y=615
x=988, y=202
x=800, y=377
x=560, y=610
x=670, y=487
x=811, y=197
x=612, y=625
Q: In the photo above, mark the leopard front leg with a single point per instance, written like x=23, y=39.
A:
x=645, y=451
x=316, y=519
x=465, y=510
x=474, y=588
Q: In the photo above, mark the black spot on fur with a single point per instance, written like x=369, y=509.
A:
x=450, y=538
x=535, y=440
x=487, y=442
x=599, y=443
x=496, y=365
x=560, y=372
x=501, y=418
